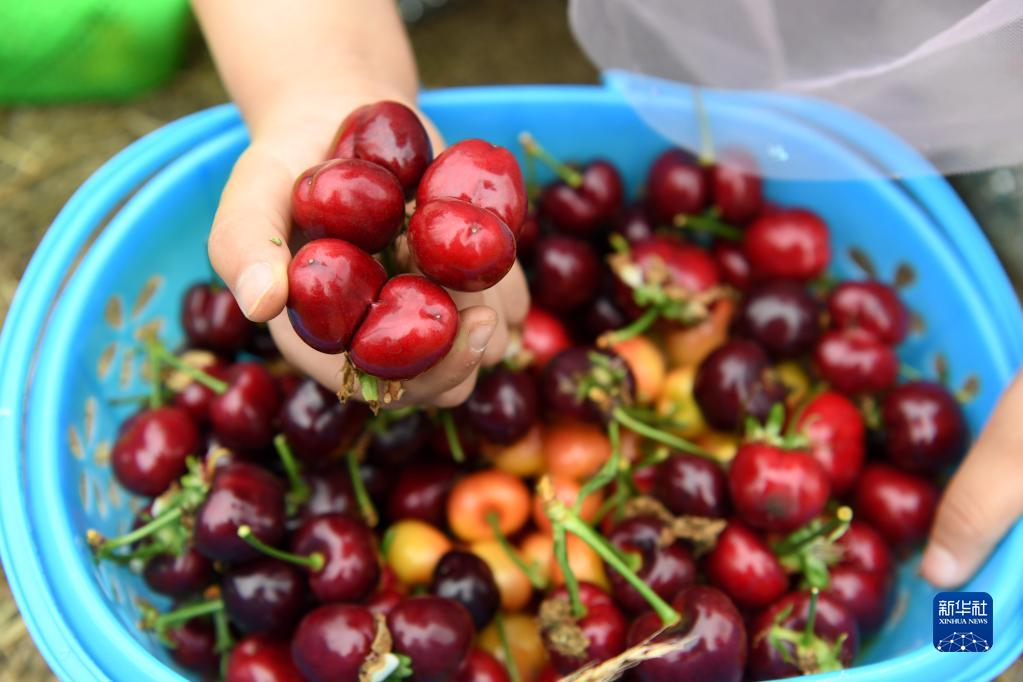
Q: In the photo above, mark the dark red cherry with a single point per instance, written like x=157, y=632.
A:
x=864, y=549
x=559, y=384
x=924, y=427
x=350, y=199
x=197, y=398
x=150, y=454
x=179, y=575
x=787, y=244
x=243, y=417
x=718, y=648
x=421, y=492
x=468, y=580
x=744, y=567
x=503, y=406
x=601, y=315
x=330, y=492
x=332, y=642
x=351, y=568
x=603, y=629
x=865, y=594
x=634, y=224
x=693, y=486
x=212, y=319
x=383, y=600
x=479, y=666
x=665, y=568
x=777, y=489
x=331, y=284
x=582, y=210
x=566, y=272
x=388, y=134
x=241, y=495
x=898, y=504
x=734, y=383
x=258, y=658
x=855, y=361
x=194, y=645
x=870, y=305
x=318, y=426
x=782, y=317
x=736, y=186
x=732, y=264
x=543, y=336
x=528, y=234
x=676, y=184
x=835, y=429
x=398, y=439
x=434, y=632
x=264, y=595
x=671, y=262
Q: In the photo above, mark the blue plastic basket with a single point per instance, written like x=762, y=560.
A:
x=126, y=246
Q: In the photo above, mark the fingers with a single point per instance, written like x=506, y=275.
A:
x=476, y=327
x=983, y=499
x=514, y=294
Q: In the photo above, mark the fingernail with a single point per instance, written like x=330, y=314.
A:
x=940, y=566
x=480, y=335
x=255, y=283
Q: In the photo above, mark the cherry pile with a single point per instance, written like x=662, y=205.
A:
x=697, y=461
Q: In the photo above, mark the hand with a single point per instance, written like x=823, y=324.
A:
x=984, y=498
x=254, y=214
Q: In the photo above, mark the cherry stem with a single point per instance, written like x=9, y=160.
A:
x=800, y=538
x=509, y=661
x=811, y=617
x=532, y=186
x=709, y=224
x=314, y=562
x=530, y=570
x=185, y=614
x=633, y=329
x=706, y=137
x=622, y=416
x=224, y=640
x=299, y=492
x=451, y=433
x=571, y=582
x=571, y=176
x=207, y=380
x=155, y=385
x=366, y=508
x=104, y=547
x=608, y=472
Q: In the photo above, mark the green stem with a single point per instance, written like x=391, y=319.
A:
x=224, y=639
x=535, y=579
x=628, y=421
x=703, y=121
x=509, y=659
x=299, y=492
x=811, y=617
x=571, y=176
x=571, y=582
x=801, y=537
x=207, y=380
x=633, y=329
x=608, y=472
x=366, y=508
x=162, y=521
x=451, y=433
x=710, y=225
x=187, y=613
x=155, y=385
x=314, y=562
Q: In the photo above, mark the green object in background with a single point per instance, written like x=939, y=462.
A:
x=63, y=50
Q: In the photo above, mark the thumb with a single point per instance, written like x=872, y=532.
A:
x=983, y=499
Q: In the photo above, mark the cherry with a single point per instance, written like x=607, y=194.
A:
x=734, y=383
x=350, y=199
x=602, y=627
x=324, y=273
x=388, y=134
x=565, y=273
x=212, y=319
x=434, y=632
x=333, y=641
x=744, y=567
x=603, y=315
x=243, y=416
x=264, y=595
x=667, y=261
x=330, y=492
x=257, y=658
x=691, y=486
x=787, y=244
x=832, y=621
x=406, y=331
x=459, y=245
x=317, y=425
x=468, y=580
x=350, y=568
x=782, y=317
x=665, y=568
x=777, y=489
x=396, y=439
x=543, y=336
x=581, y=210
x=865, y=594
x=899, y=505
x=835, y=429
x=924, y=428
x=855, y=361
x=383, y=600
x=634, y=224
x=479, y=666
x=178, y=575
x=503, y=406
x=864, y=549
x=194, y=645
x=241, y=495
x=150, y=454
x=871, y=305
x=483, y=174
x=196, y=398
x=718, y=649
x=421, y=492
x=732, y=264
x=736, y=187
x=572, y=368
x=676, y=184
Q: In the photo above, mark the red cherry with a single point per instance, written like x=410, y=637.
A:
x=776, y=489
x=243, y=417
x=212, y=319
x=899, y=505
x=421, y=492
x=582, y=210
x=331, y=285
x=855, y=361
x=383, y=600
x=835, y=429
x=864, y=549
x=924, y=427
x=603, y=628
x=196, y=398
x=690, y=485
x=736, y=187
x=194, y=645
x=686, y=266
x=865, y=594
x=543, y=336
x=503, y=406
x=241, y=495
x=483, y=174
x=467, y=579
x=258, y=658
x=744, y=567
x=357, y=201
x=676, y=185
x=787, y=244
x=434, y=632
x=561, y=378
x=330, y=492
x=782, y=317
x=178, y=575
x=734, y=383
x=332, y=642
x=732, y=263
x=665, y=568
x=264, y=595
x=317, y=425
x=634, y=224
x=150, y=454
x=407, y=330
x=388, y=134
x=525, y=241
x=351, y=568
x=872, y=305
x=459, y=245
x=479, y=666
x=566, y=273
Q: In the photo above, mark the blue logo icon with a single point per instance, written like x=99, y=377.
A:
x=963, y=622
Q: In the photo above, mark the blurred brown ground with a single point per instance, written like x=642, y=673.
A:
x=47, y=152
